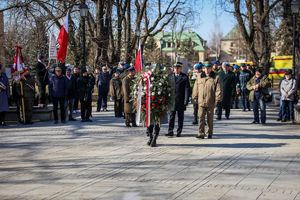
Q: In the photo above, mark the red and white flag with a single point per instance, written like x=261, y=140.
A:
x=63, y=41
x=19, y=65
x=139, y=61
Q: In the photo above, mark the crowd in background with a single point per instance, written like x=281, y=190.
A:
x=72, y=88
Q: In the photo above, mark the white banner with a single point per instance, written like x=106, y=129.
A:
x=139, y=104
x=52, y=47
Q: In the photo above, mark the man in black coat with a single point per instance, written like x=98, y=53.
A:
x=181, y=99
x=227, y=79
x=72, y=90
x=102, y=82
x=76, y=74
x=85, y=89
x=41, y=79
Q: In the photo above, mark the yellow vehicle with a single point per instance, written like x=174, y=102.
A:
x=279, y=65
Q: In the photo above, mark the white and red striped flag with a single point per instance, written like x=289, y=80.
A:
x=63, y=40
x=139, y=61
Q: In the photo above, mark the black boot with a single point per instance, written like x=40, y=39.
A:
x=150, y=139
x=156, y=133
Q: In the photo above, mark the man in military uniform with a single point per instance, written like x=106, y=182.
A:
x=207, y=92
x=24, y=90
x=197, y=70
x=116, y=93
x=128, y=107
x=181, y=98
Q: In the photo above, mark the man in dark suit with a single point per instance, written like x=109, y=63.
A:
x=41, y=79
x=181, y=99
x=227, y=79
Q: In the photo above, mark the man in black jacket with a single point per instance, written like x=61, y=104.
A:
x=76, y=74
x=102, y=82
x=85, y=89
x=182, y=94
x=72, y=90
x=41, y=79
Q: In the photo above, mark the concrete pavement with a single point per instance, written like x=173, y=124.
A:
x=105, y=160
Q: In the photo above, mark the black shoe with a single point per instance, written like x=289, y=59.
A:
x=83, y=120
x=134, y=125
x=200, y=136
x=3, y=124
x=227, y=117
x=171, y=134
x=263, y=123
x=98, y=110
x=279, y=119
x=55, y=122
x=195, y=123
x=89, y=120
x=178, y=135
x=72, y=119
x=128, y=125
x=209, y=137
x=249, y=109
x=63, y=121
x=244, y=110
x=255, y=122
x=218, y=118
x=283, y=120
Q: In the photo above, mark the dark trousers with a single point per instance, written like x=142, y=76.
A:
x=245, y=99
x=220, y=108
x=196, y=108
x=288, y=110
x=118, y=107
x=25, y=116
x=280, y=114
x=180, y=115
x=259, y=105
x=71, y=105
x=76, y=102
x=42, y=89
x=155, y=127
x=61, y=102
x=86, y=109
x=2, y=117
x=130, y=118
x=102, y=100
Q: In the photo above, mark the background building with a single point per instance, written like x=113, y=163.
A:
x=187, y=47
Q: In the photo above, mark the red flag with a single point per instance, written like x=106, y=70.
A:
x=62, y=40
x=139, y=62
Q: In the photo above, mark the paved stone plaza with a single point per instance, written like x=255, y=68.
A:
x=105, y=160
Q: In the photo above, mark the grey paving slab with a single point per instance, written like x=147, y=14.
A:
x=105, y=160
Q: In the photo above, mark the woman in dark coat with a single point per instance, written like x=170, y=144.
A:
x=4, y=95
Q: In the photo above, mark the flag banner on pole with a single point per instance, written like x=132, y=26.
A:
x=62, y=40
x=139, y=103
x=139, y=61
x=147, y=76
x=52, y=46
x=18, y=63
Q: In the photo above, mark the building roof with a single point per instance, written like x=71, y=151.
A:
x=233, y=34
x=186, y=35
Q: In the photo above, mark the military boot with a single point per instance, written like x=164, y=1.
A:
x=156, y=133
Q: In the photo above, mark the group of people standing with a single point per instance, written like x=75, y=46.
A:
x=212, y=88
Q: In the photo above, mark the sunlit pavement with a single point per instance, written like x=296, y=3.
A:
x=105, y=160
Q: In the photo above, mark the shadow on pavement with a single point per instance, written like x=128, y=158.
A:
x=236, y=145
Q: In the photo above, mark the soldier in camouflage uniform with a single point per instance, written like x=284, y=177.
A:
x=197, y=70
